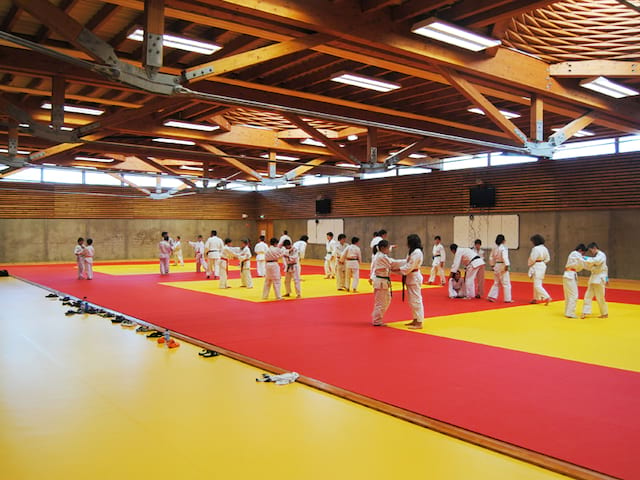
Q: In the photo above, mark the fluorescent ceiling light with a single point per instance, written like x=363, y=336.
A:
x=174, y=140
x=189, y=167
x=181, y=43
x=352, y=138
x=607, y=87
x=311, y=141
x=412, y=155
x=365, y=82
x=503, y=112
x=95, y=159
x=86, y=168
x=579, y=133
x=347, y=165
x=259, y=127
x=281, y=157
x=191, y=126
x=454, y=35
x=76, y=109
x=19, y=152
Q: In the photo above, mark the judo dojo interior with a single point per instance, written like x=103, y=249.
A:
x=121, y=119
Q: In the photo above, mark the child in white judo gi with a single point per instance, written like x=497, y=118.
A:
x=272, y=270
x=177, y=253
x=78, y=251
x=291, y=269
x=380, y=279
x=164, y=248
x=597, y=264
x=330, y=258
x=340, y=267
x=245, y=264
x=538, y=259
x=438, y=259
x=410, y=270
x=89, y=253
x=456, y=286
x=499, y=261
x=228, y=252
x=352, y=256
x=260, y=249
x=198, y=247
x=574, y=264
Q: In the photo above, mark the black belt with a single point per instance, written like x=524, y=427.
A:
x=271, y=261
x=354, y=258
x=475, y=258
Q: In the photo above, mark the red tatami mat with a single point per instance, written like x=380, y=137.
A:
x=585, y=414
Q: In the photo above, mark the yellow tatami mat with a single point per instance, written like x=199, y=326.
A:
x=147, y=268
x=611, y=342
x=81, y=398
x=312, y=286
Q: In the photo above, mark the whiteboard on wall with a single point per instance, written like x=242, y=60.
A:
x=317, y=232
x=485, y=227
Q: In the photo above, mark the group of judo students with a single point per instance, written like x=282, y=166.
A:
x=342, y=263
x=84, y=258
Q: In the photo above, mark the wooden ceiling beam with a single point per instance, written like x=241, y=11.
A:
x=319, y=136
x=571, y=129
x=102, y=16
x=165, y=169
x=245, y=59
x=536, y=123
x=404, y=153
x=231, y=161
x=302, y=169
x=375, y=5
x=482, y=13
x=415, y=8
x=80, y=98
x=595, y=68
x=152, y=45
x=469, y=90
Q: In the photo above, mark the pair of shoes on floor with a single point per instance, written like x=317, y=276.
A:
x=128, y=323
x=68, y=313
x=208, y=353
x=51, y=295
x=65, y=299
x=143, y=329
x=118, y=319
x=155, y=334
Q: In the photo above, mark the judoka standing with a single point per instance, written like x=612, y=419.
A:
x=164, y=248
x=597, y=264
x=340, y=267
x=245, y=264
x=291, y=269
x=78, y=251
x=213, y=250
x=499, y=261
x=413, y=280
x=260, y=249
x=272, y=269
x=330, y=259
x=283, y=237
x=570, y=280
x=198, y=247
x=538, y=259
x=479, y=281
x=465, y=257
x=301, y=247
x=227, y=253
x=89, y=253
x=438, y=259
x=352, y=256
x=177, y=252
x=380, y=279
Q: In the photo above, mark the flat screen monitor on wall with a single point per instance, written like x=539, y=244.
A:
x=323, y=206
x=482, y=197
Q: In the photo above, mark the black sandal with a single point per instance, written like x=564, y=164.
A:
x=210, y=353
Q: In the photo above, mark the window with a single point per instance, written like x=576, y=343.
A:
x=388, y=173
x=313, y=180
x=508, y=159
x=26, y=175
x=629, y=144
x=413, y=171
x=339, y=179
x=95, y=178
x=465, y=161
x=142, y=180
x=585, y=149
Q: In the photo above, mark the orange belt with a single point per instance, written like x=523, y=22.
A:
x=570, y=269
x=539, y=260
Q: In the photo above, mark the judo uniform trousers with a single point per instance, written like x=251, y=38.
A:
x=292, y=272
x=213, y=251
x=89, y=253
x=78, y=251
x=341, y=273
x=570, y=283
x=245, y=267
x=165, y=255
x=438, y=258
x=380, y=271
x=272, y=272
x=177, y=253
x=260, y=249
x=352, y=256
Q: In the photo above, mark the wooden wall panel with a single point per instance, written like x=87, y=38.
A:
x=22, y=200
x=549, y=185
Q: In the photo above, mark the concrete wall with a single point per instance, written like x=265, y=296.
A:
x=615, y=231
x=52, y=240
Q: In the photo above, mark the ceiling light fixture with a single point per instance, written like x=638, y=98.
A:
x=180, y=43
x=311, y=141
x=365, y=82
x=506, y=113
x=19, y=152
x=607, y=87
x=190, y=125
x=347, y=165
x=352, y=138
x=76, y=109
x=281, y=157
x=94, y=159
x=189, y=167
x=579, y=133
x=412, y=155
x=173, y=140
x=453, y=35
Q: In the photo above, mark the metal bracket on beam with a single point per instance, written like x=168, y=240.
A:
x=197, y=73
x=17, y=162
x=99, y=47
x=153, y=57
x=540, y=149
x=161, y=84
